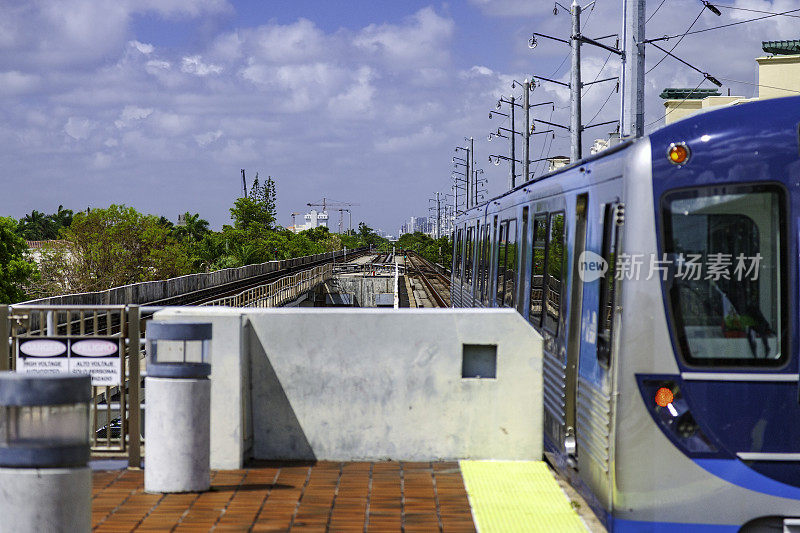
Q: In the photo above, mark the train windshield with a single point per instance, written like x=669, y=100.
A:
x=725, y=269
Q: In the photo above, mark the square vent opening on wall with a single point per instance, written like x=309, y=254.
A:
x=479, y=361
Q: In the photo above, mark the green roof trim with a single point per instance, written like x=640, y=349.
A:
x=687, y=94
x=781, y=48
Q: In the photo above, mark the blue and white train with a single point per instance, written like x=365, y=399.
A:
x=663, y=276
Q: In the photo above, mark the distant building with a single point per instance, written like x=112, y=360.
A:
x=778, y=76
x=314, y=219
x=557, y=162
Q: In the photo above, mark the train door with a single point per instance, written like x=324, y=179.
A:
x=573, y=331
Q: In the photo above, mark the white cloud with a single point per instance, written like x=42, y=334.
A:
x=356, y=99
x=512, y=8
x=426, y=137
x=422, y=41
x=132, y=113
x=142, y=47
x=292, y=43
x=15, y=82
x=194, y=65
x=204, y=139
x=78, y=127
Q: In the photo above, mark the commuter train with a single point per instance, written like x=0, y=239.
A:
x=662, y=274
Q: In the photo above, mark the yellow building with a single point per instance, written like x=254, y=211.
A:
x=778, y=76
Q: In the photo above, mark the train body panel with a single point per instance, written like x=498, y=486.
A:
x=725, y=450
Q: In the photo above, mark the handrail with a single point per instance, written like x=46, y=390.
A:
x=278, y=292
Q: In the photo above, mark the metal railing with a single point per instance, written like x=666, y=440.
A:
x=115, y=406
x=279, y=292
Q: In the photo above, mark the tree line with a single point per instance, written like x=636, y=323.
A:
x=98, y=249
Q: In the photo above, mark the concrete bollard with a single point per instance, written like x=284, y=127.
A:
x=178, y=392
x=45, y=484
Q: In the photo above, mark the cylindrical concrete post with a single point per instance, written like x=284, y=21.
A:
x=45, y=484
x=178, y=405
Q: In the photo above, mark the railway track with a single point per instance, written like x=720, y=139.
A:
x=436, y=284
x=212, y=293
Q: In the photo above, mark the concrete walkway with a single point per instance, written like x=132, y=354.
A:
x=324, y=496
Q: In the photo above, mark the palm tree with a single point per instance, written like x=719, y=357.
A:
x=38, y=227
x=194, y=227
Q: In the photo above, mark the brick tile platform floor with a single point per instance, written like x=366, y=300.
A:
x=323, y=496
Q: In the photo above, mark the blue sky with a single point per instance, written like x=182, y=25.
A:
x=158, y=103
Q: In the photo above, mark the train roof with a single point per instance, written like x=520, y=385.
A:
x=772, y=115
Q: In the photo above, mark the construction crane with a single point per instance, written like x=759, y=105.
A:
x=325, y=204
x=294, y=224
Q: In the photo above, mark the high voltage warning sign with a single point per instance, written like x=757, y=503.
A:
x=98, y=357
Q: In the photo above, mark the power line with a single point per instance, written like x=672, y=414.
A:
x=676, y=44
x=754, y=10
x=602, y=106
x=760, y=85
x=668, y=37
x=598, y=74
x=654, y=12
x=677, y=106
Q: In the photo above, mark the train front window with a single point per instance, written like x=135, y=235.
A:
x=726, y=285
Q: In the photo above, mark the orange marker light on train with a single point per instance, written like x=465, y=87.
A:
x=678, y=153
x=664, y=397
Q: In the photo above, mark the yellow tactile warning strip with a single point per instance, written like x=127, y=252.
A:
x=509, y=496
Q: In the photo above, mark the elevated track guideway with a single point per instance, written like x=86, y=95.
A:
x=436, y=282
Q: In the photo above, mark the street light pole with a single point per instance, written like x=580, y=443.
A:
x=473, y=171
x=513, y=182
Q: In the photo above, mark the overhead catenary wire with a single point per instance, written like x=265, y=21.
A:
x=668, y=37
x=760, y=85
x=654, y=12
x=755, y=10
x=679, y=42
x=677, y=106
x=604, y=104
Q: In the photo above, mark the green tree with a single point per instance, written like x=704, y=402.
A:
x=37, y=226
x=194, y=228
x=248, y=213
x=112, y=247
x=15, y=270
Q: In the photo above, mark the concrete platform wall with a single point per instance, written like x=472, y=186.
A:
x=353, y=384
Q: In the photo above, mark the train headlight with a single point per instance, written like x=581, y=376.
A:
x=664, y=396
x=670, y=411
x=678, y=153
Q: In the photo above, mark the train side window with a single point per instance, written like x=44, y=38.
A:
x=537, y=268
x=502, y=237
x=457, y=261
x=605, y=315
x=523, y=246
x=468, y=249
x=483, y=262
x=511, y=263
x=555, y=272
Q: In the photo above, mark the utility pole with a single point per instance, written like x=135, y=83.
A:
x=438, y=217
x=526, y=104
x=467, y=175
x=633, y=36
x=575, y=85
x=513, y=181
x=471, y=157
x=244, y=186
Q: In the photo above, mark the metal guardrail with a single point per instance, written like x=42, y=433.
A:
x=279, y=292
x=115, y=406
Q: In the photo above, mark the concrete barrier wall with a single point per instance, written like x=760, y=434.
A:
x=350, y=384
x=153, y=291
